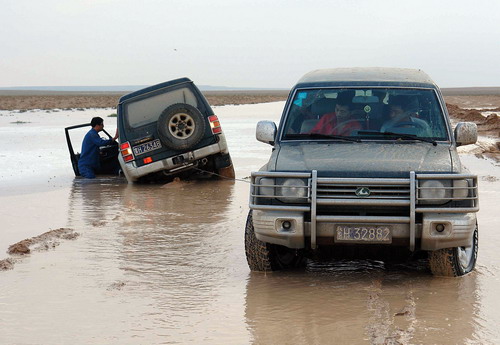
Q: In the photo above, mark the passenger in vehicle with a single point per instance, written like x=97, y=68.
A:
x=89, y=161
x=342, y=121
x=402, y=114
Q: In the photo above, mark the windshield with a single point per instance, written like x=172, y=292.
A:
x=367, y=113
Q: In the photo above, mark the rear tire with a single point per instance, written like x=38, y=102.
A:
x=263, y=256
x=181, y=126
x=454, y=262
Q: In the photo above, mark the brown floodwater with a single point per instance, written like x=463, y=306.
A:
x=157, y=264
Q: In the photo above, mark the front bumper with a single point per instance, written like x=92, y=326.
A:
x=417, y=228
x=132, y=172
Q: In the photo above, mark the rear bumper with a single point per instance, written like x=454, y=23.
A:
x=132, y=172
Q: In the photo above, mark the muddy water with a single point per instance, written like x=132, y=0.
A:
x=166, y=265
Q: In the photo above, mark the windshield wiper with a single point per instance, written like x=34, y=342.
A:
x=320, y=136
x=400, y=135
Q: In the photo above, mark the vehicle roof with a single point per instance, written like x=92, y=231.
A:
x=153, y=88
x=366, y=76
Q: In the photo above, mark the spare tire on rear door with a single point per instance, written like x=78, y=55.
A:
x=181, y=126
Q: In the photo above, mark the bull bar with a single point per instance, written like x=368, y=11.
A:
x=339, y=191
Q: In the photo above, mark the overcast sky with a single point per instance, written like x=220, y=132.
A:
x=260, y=43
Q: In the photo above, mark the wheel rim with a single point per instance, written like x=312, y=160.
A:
x=465, y=256
x=181, y=126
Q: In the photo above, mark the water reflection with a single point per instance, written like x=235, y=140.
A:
x=176, y=230
x=173, y=244
x=95, y=202
x=373, y=305
x=181, y=245
x=158, y=225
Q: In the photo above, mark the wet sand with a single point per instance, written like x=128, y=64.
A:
x=166, y=264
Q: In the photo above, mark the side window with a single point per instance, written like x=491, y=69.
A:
x=145, y=111
x=299, y=110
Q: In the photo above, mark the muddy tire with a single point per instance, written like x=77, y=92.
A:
x=263, y=256
x=181, y=126
x=454, y=262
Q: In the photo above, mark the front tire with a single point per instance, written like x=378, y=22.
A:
x=454, y=262
x=263, y=256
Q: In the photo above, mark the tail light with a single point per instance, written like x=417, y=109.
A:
x=215, y=124
x=126, y=152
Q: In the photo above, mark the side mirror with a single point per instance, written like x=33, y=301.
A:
x=465, y=133
x=265, y=132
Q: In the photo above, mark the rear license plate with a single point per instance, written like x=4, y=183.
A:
x=363, y=233
x=147, y=147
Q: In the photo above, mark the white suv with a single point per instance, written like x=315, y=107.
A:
x=364, y=158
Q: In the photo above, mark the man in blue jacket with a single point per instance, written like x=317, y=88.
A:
x=88, y=163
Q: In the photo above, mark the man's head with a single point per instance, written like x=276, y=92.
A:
x=344, y=105
x=399, y=105
x=97, y=123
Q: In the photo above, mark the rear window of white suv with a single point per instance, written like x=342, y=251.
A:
x=146, y=111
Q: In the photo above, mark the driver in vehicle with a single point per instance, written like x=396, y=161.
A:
x=403, y=115
x=89, y=162
x=340, y=122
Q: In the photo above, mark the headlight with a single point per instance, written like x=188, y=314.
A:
x=441, y=191
x=263, y=190
x=292, y=190
x=460, y=189
x=434, y=191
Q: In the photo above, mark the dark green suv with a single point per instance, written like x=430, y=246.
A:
x=169, y=130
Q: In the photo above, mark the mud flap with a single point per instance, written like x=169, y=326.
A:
x=227, y=172
x=224, y=166
x=222, y=161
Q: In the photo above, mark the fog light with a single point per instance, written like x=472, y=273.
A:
x=286, y=225
x=439, y=227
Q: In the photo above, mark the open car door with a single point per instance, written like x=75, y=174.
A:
x=108, y=154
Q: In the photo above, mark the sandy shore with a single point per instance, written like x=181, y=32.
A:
x=26, y=100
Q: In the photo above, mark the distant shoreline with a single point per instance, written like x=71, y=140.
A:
x=450, y=91
x=471, y=91
x=28, y=100
x=35, y=99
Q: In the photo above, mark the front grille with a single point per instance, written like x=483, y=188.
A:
x=331, y=190
x=362, y=211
